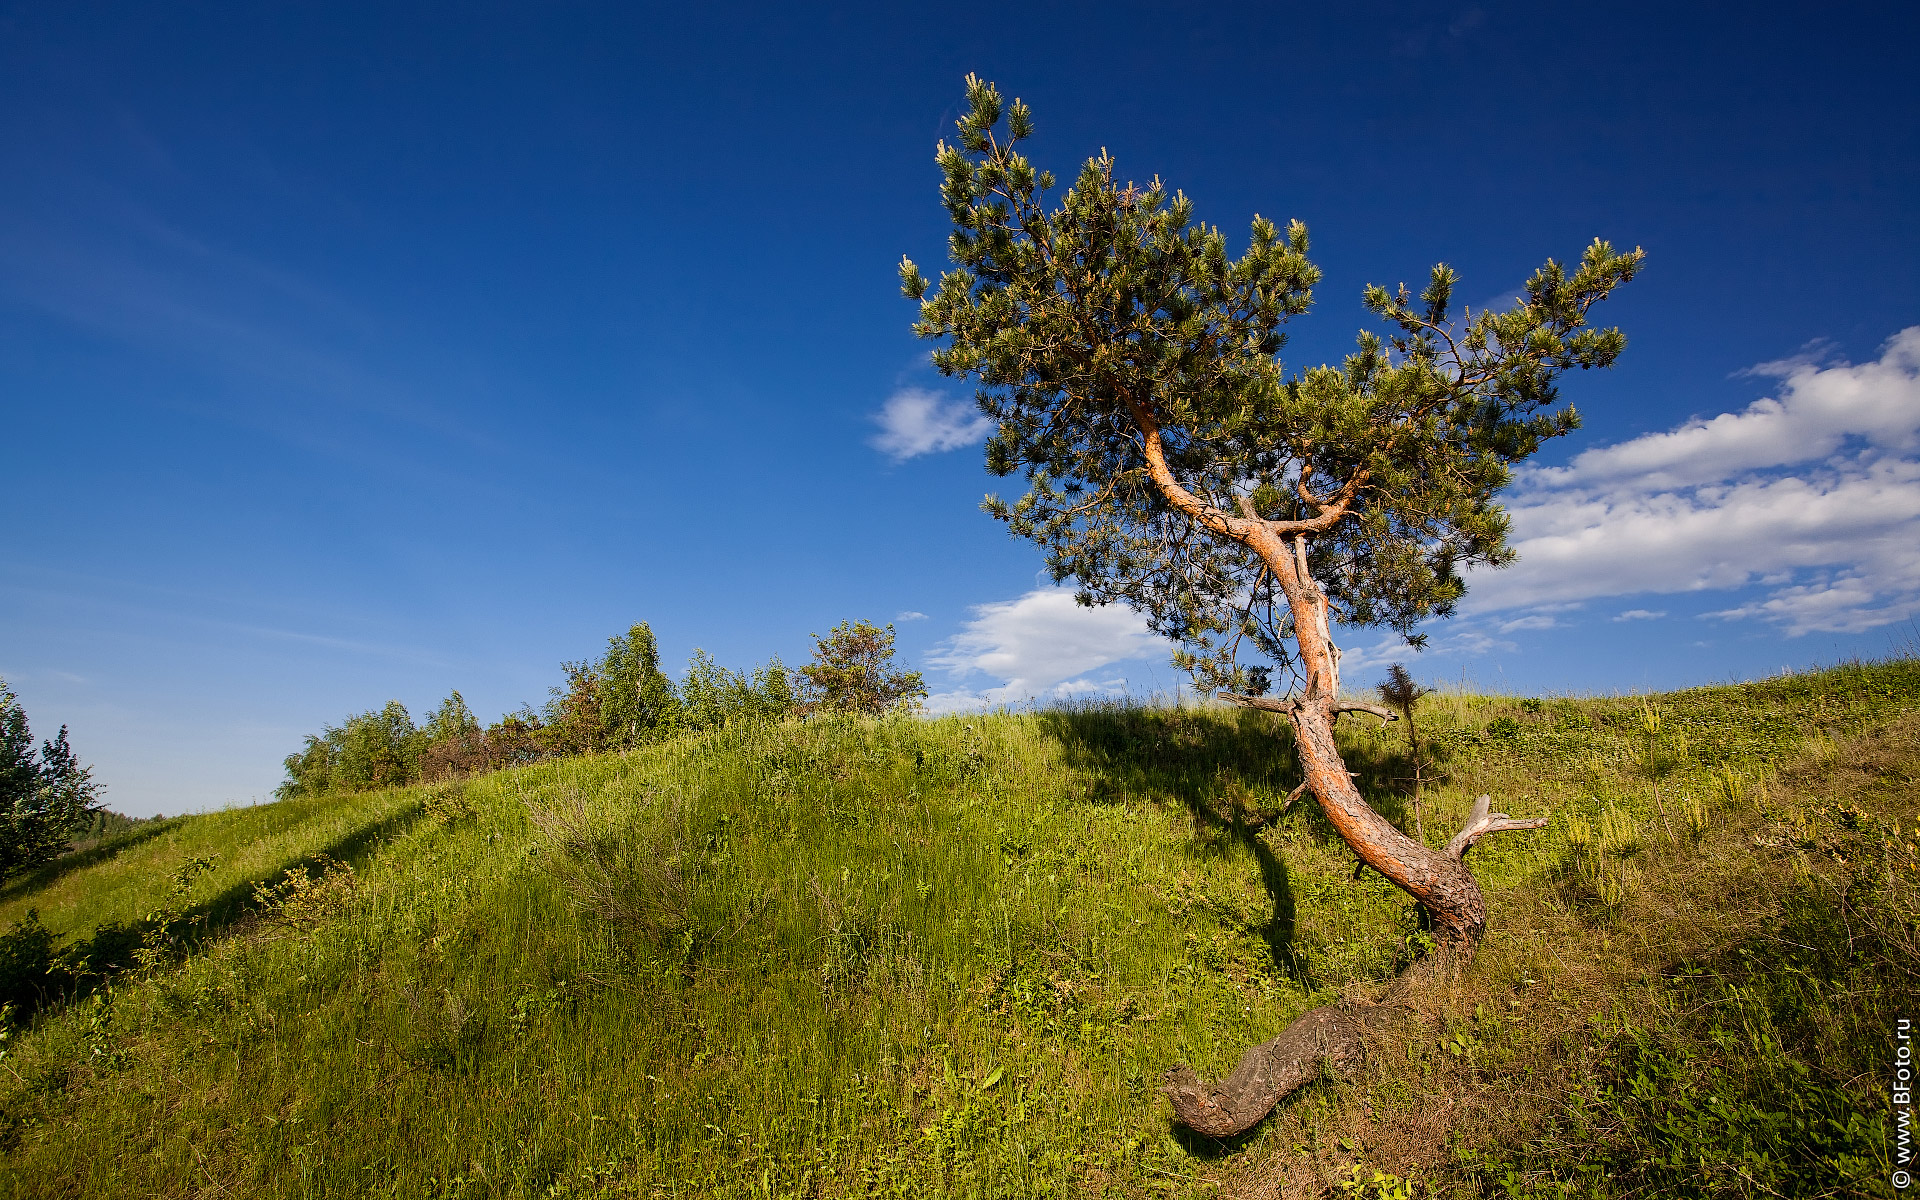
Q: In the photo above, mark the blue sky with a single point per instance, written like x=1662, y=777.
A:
x=357, y=352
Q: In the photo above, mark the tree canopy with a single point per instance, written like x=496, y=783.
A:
x=852, y=671
x=1173, y=463
x=1132, y=365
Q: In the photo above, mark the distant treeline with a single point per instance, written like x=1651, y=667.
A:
x=616, y=702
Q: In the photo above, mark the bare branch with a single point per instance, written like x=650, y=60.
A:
x=1283, y=705
x=1293, y=795
x=1483, y=822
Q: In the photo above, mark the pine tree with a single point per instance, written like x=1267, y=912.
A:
x=44, y=797
x=1401, y=694
x=1173, y=464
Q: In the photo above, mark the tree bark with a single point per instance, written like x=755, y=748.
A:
x=1438, y=879
x=1331, y=1038
x=1328, y=1038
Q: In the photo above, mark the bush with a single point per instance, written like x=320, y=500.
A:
x=617, y=702
x=375, y=749
x=852, y=671
x=638, y=875
x=637, y=702
x=27, y=971
x=714, y=697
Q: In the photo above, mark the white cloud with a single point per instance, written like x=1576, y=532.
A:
x=910, y=615
x=1536, y=621
x=1818, y=411
x=1713, y=505
x=915, y=421
x=1450, y=640
x=1639, y=614
x=1039, y=646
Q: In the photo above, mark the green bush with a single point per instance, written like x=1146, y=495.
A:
x=619, y=701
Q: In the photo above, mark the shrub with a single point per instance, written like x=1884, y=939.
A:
x=714, y=697
x=374, y=749
x=27, y=971
x=638, y=876
x=852, y=671
x=637, y=701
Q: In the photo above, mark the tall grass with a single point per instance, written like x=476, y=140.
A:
x=842, y=957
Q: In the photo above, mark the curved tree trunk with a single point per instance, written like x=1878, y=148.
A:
x=1332, y=1037
x=1438, y=879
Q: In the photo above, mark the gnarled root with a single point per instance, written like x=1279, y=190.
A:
x=1331, y=1038
x=1326, y=1039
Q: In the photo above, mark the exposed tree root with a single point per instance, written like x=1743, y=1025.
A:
x=1330, y=1038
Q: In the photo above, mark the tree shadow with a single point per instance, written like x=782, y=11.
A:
x=86, y=965
x=1231, y=771
x=44, y=876
x=1226, y=770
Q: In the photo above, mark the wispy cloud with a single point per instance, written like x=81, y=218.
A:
x=1814, y=493
x=1640, y=614
x=915, y=421
x=1041, y=646
x=1535, y=621
x=1818, y=411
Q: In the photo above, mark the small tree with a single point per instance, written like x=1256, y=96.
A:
x=1401, y=694
x=852, y=671
x=575, y=715
x=454, y=745
x=1173, y=464
x=45, y=796
x=638, y=701
x=715, y=696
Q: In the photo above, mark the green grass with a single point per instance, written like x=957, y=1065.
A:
x=941, y=957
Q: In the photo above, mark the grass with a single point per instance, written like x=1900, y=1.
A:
x=953, y=957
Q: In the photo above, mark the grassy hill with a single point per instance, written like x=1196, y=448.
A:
x=953, y=957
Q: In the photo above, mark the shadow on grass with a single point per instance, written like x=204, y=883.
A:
x=90, y=963
x=46, y=875
x=1229, y=771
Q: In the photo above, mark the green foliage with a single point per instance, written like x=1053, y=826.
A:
x=638, y=702
x=713, y=697
x=374, y=749
x=453, y=721
x=618, y=702
x=1751, y=1073
x=852, y=671
x=46, y=796
x=574, y=721
x=27, y=970
x=1115, y=327
x=849, y=957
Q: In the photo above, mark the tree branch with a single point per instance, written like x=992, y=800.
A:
x=1284, y=705
x=1287, y=704
x=1483, y=822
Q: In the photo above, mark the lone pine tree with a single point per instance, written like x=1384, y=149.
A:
x=1172, y=464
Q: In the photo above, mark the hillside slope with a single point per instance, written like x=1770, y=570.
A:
x=954, y=957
